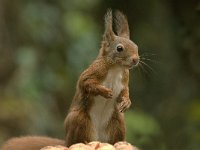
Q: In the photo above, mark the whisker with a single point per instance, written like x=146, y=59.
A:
x=139, y=69
x=143, y=69
x=147, y=66
x=148, y=59
x=148, y=54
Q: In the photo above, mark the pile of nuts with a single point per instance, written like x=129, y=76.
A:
x=94, y=146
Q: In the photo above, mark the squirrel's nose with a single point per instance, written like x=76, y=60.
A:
x=135, y=59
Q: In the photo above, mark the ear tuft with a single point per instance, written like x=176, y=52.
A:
x=108, y=34
x=121, y=24
x=108, y=18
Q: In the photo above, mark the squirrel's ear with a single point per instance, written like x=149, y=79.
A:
x=108, y=34
x=121, y=24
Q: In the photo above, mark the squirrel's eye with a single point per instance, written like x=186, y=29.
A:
x=120, y=48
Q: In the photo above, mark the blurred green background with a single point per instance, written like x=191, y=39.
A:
x=46, y=44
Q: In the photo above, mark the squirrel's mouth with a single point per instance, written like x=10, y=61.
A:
x=132, y=65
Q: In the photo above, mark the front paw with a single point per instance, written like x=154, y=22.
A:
x=124, y=104
x=106, y=93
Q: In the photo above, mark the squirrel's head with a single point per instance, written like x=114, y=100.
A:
x=118, y=47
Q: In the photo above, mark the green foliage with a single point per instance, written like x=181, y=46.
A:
x=40, y=20
x=142, y=129
x=193, y=121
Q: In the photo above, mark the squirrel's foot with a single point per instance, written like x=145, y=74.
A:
x=124, y=104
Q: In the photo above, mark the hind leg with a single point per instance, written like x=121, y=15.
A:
x=116, y=128
x=78, y=128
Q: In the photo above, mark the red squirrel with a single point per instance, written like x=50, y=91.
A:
x=102, y=94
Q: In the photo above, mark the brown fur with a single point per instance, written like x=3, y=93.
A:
x=31, y=143
x=78, y=123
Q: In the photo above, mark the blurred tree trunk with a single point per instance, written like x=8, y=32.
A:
x=6, y=50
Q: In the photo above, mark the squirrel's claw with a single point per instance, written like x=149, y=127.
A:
x=105, y=92
x=124, y=104
x=108, y=94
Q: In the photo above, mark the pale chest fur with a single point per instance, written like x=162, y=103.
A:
x=102, y=109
